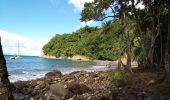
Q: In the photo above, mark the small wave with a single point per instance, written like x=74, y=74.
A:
x=99, y=66
x=33, y=74
x=26, y=75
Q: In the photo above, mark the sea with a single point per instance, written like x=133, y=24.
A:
x=32, y=67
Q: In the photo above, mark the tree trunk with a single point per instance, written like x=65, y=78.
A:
x=120, y=52
x=167, y=51
x=128, y=42
x=140, y=34
x=155, y=32
x=5, y=87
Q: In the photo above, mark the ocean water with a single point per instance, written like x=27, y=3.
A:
x=31, y=67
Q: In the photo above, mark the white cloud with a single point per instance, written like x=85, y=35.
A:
x=89, y=23
x=138, y=5
x=79, y=4
x=27, y=46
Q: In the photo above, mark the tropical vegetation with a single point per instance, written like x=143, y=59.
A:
x=128, y=31
x=96, y=43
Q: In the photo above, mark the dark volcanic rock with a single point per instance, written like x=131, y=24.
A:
x=78, y=85
x=55, y=73
x=77, y=88
x=20, y=85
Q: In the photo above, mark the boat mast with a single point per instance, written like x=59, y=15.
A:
x=18, y=49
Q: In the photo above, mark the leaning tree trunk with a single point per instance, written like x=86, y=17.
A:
x=5, y=90
x=167, y=51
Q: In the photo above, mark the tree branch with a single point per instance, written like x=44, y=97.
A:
x=105, y=18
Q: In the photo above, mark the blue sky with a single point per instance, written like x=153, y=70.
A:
x=38, y=18
x=33, y=22
x=37, y=21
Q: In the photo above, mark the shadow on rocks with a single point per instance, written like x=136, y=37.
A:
x=78, y=88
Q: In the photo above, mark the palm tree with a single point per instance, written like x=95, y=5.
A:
x=5, y=90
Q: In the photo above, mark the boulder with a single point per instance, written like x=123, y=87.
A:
x=55, y=73
x=59, y=90
x=19, y=85
x=77, y=88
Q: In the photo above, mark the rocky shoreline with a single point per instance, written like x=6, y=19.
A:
x=99, y=85
x=84, y=58
x=75, y=57
x=80, y=85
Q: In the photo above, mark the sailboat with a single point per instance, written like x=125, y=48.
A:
x=16, y=56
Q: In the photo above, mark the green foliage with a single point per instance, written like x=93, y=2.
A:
x=96, y=43
x=98, y=10
x=117, y=75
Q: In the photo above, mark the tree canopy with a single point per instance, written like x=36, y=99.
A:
x=96, y=43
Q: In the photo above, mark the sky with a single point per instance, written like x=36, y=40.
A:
x=31, y=23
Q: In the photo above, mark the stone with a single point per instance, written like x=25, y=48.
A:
x=71, y=98
x=55, y=73
x=21, y=98
x=77, y=88
x=151, y=82
x=33, y=93
x=25, y=91
x=37, y=87
x=89, y=98
x=19, y=85
x=13, y=88
x=96, y=78
x=65, y=86
x=42, y=85
x=58, y=90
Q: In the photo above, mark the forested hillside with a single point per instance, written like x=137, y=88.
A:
x=131, y=32
x=96, y=43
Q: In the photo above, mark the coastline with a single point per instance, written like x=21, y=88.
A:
x=89, y=85
x=84, y=58
x=83, y=85
x=36, y=70
x=73, y=86
x=74, y=58
x=47, y=57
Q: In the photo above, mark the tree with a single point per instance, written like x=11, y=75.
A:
x=124, y=20
x=5, y=90
x=100, y=10
x=167, y=50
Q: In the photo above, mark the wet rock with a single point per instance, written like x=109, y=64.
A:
x=55, y=73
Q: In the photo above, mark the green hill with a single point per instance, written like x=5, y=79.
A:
x=95, y=43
